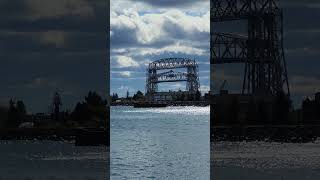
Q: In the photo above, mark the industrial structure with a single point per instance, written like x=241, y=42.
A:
x=261, y=50
x=265, y=88
x=166, y=70
x=56, y=104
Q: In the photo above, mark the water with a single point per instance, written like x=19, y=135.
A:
x=160, y=143
x=265, y=160
x=51, y=160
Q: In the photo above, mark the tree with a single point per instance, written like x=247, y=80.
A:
x=93, y=111
x=138, y=95
x=182, y=97
x=94, y=99
x=198, y=95
x=127, y=94
x=21, y=111
x=114, y=97
x=3, y=116
x=13, y=118
x=281, y=108
x=81, y=112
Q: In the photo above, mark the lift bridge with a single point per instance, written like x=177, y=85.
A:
x=154, y=77
x=260, y=50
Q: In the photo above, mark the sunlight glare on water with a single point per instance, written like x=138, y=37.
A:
x=160, y=143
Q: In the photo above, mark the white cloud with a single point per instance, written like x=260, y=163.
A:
x=125, y=62
x=198, y=6
x=175, y=48
x=204, y=88
x=151, y=28
x=142, y=33
x=123, y=88
x=125, y=74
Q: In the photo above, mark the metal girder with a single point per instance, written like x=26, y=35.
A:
x=170, y=76
x=232, y=48
x=172, y=63
x=261, y=50
x=190, y=76
x=227, y=10
x=228, y=48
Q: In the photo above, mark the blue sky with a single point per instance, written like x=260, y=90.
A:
x=144, y=31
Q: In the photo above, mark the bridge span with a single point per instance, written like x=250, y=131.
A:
x=166, y=71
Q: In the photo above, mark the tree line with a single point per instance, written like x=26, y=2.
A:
x=91, y=112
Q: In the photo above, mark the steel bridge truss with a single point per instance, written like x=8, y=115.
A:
x=190, y=76
x=261, y=50
x=228, y=10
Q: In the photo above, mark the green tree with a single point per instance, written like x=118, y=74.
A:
x=3, y=116
x=281, y=109
x=13, y=118
x=138, y=96
x=127, y=94
x=21, y=110
x=198, y=95
x=182, y=97
x=114, y=97
x=92, y=112
x=94, y=99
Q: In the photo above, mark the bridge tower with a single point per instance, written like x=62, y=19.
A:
x=154, y=77
x=261, y=50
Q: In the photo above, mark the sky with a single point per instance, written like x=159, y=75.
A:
x=143, y=31
x=50, y=45
x=62, y=45
x=301, y=46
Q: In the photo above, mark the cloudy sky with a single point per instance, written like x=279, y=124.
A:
x=143, y=31
x=52, y=45
x=302, y=50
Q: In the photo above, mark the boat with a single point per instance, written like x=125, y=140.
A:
x=149, y=105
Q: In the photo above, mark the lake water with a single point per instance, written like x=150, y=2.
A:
x=160, y=143
x=265, y=160
x=51, y=160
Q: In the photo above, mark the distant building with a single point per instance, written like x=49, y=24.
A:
x=172, y=96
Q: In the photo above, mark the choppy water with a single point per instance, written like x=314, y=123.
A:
x=50, y=160
x=263, y=160
x=160, y=143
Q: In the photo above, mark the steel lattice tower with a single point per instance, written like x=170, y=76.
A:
x=154, y=78
x=261, y=50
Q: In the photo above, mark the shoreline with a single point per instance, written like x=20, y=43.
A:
x=175, y=103
x=80, y=136
x=267, y=133
x=167, y=106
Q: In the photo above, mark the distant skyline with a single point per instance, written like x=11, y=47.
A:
x=48, y=45
x=145, y=31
